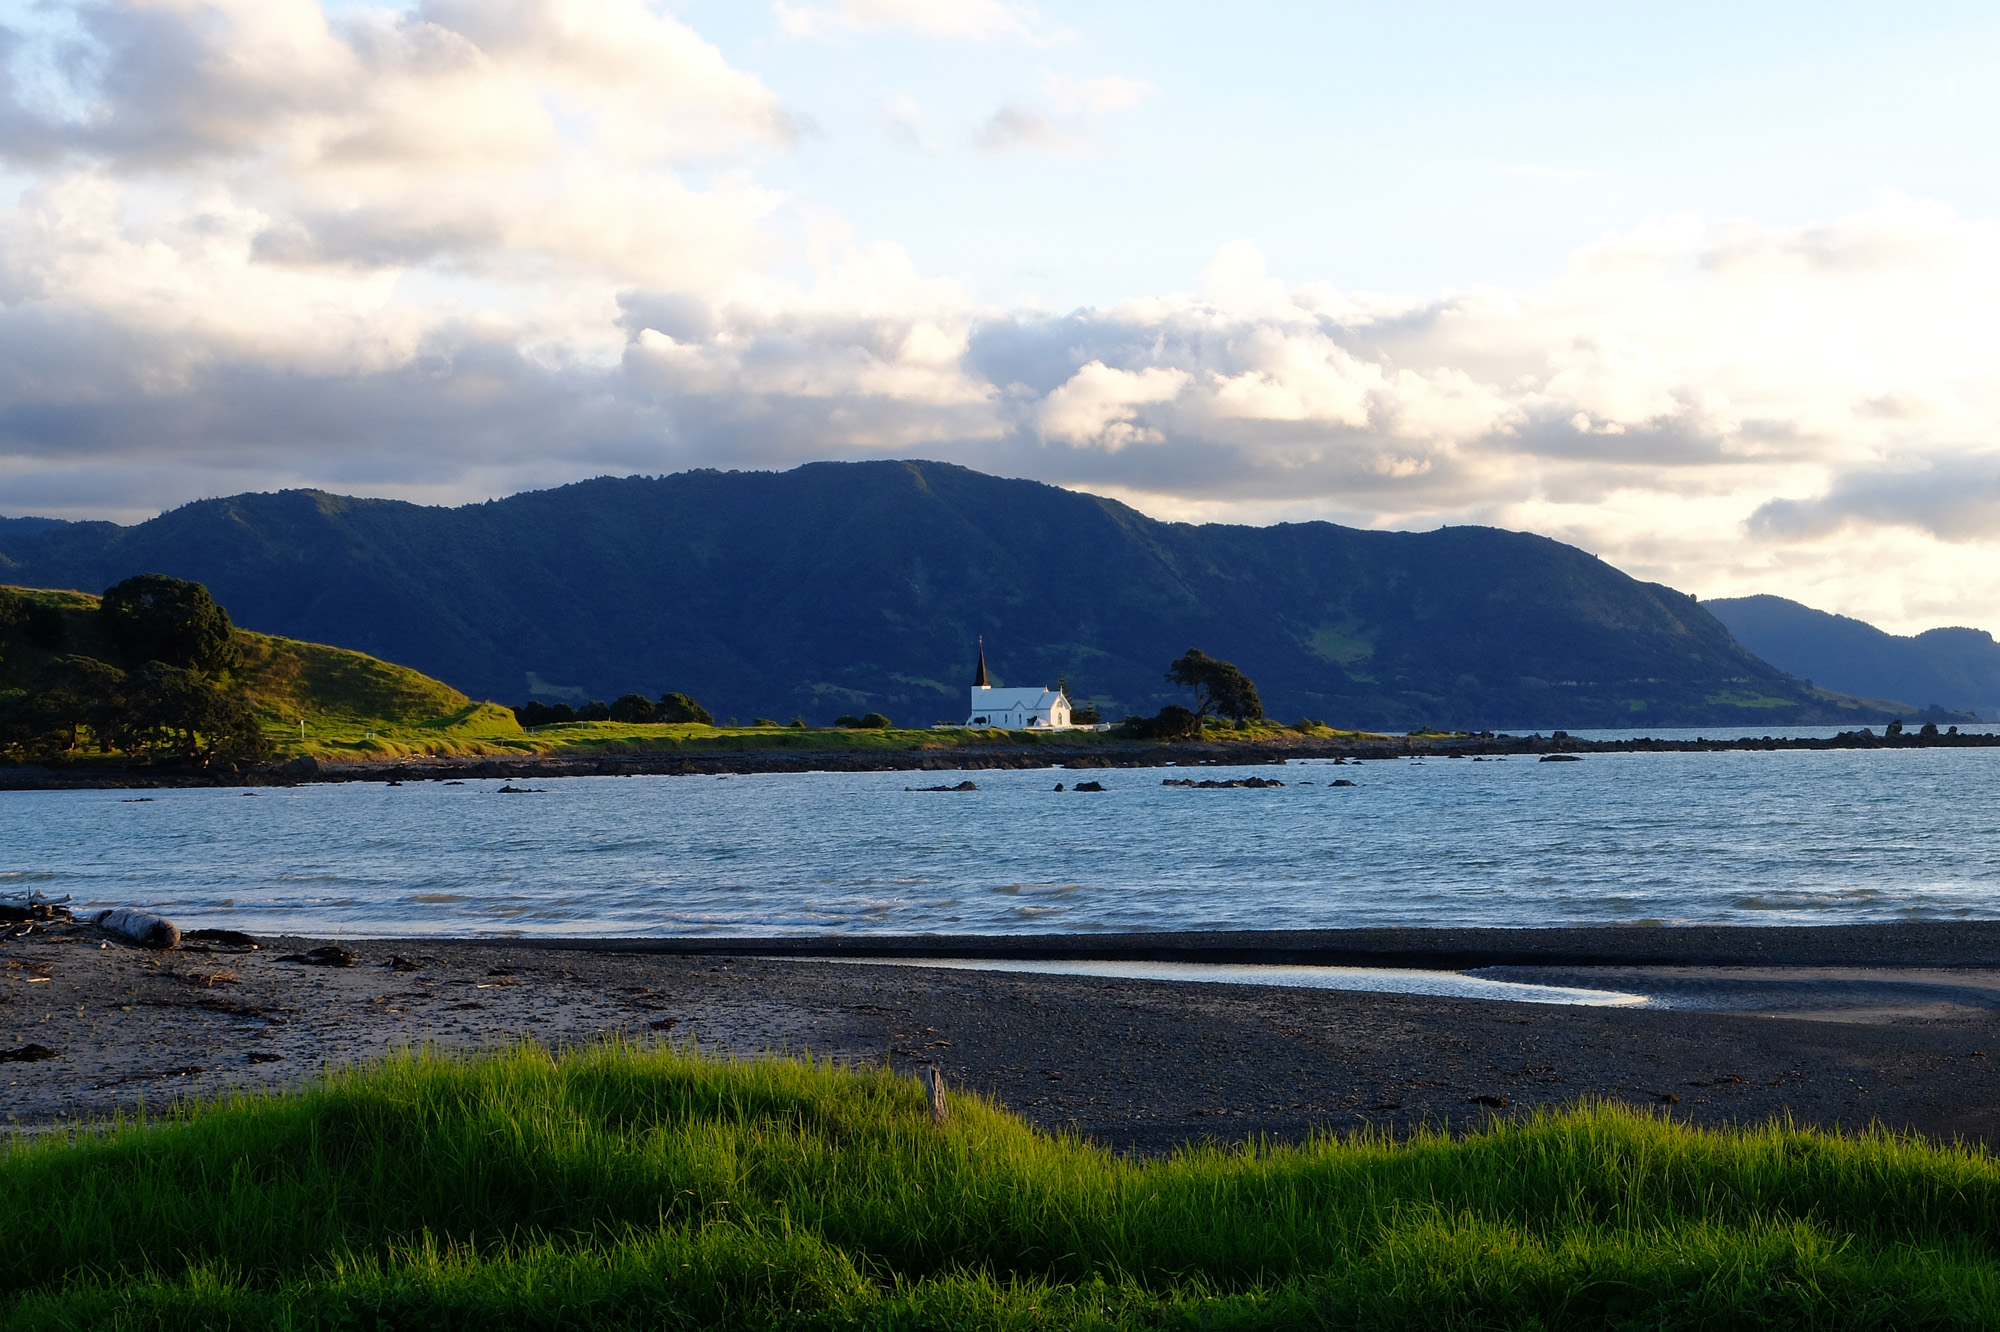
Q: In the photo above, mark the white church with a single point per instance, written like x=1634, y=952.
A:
x=1015, y=709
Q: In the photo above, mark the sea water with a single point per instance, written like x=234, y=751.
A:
x=1744, y=837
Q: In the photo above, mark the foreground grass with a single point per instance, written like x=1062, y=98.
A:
x=628, y=1188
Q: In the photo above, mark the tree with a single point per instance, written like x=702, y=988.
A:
x=39, y=623
x=184, y=714
x=876, y=721
x=633, y=708
x=167, y=708
x=680, y=709
x=1218, y=686
x=151, y=617
x=83, y=691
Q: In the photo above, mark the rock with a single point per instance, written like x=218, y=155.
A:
x=1340, y=781
x=1561, y=758
x=1241, y=783
x=28, y=1054
x=227, y=938
x=331, y=955
x=1490, y=1102
x=265, y=1057
x=140, y=927
x=305, y=765
x=1090, y=786
x=962, y=786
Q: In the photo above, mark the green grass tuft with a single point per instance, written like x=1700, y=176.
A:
x=623, y=1187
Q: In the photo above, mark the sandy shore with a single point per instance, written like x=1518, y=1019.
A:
x=1842, y=1026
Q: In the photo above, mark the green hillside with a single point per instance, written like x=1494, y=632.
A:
x=855, y=587
x=351, y=703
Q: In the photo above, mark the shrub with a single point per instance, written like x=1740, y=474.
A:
x=763, y=721
x=1174, y=722
x=876, y=721
x=848, y=722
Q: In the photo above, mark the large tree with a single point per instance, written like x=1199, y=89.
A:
x=152, y=617
x=1219, y=688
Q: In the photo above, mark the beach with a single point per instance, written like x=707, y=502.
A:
x=1841, y=1026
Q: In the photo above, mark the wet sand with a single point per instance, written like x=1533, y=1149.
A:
x=1835, y=1027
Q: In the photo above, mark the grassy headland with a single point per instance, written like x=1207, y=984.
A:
x=621, y=1187
x=357, y=707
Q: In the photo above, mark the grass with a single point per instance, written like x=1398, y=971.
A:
x=623, y=1187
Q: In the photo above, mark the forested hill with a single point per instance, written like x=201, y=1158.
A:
x=1956, y=668
x=849, y=587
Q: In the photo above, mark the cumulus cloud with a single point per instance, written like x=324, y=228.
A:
x=467, y=248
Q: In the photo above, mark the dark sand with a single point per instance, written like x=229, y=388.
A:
x=1834, y=1027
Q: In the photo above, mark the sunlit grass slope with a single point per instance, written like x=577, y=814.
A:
x=352, y=704
x=627, y=1188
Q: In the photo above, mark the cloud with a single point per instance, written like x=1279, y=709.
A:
x=956, y=20
x=1955, y=499
x=1014, y=127
x=467, y=248
x=1077, y=102
x=1097, y=405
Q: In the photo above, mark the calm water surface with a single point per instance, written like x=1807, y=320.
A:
x=1736, y=837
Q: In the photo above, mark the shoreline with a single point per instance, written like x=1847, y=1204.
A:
x=91, y=774
x=1835, y=1026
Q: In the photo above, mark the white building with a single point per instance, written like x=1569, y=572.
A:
x=1015, y=709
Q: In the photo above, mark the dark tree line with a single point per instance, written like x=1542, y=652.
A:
x=671, y=710
x=165, y=692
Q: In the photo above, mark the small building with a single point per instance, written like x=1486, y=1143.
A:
x=1015, y=709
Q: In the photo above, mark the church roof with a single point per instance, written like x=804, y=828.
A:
x=1033, y=698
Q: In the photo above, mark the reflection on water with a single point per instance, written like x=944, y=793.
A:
x=1450, y=984
x=1771, y=838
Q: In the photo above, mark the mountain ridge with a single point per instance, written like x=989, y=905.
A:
x=1952, y=667
x=848, y=587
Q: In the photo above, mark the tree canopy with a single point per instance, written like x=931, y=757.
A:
x=151, y=617
x=1219, y=688
x=679, y=708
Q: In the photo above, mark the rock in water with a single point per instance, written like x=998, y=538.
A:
x=140, y=927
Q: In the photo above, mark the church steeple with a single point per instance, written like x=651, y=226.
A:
x=979, y=680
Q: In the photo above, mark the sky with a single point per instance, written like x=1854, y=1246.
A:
x=1706, y=290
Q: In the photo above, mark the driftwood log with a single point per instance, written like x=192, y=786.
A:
x=934, y=1083
x=140, y=927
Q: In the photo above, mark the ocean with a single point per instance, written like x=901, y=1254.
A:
x=1752, y=837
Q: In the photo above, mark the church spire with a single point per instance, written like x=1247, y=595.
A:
x=979, y=680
